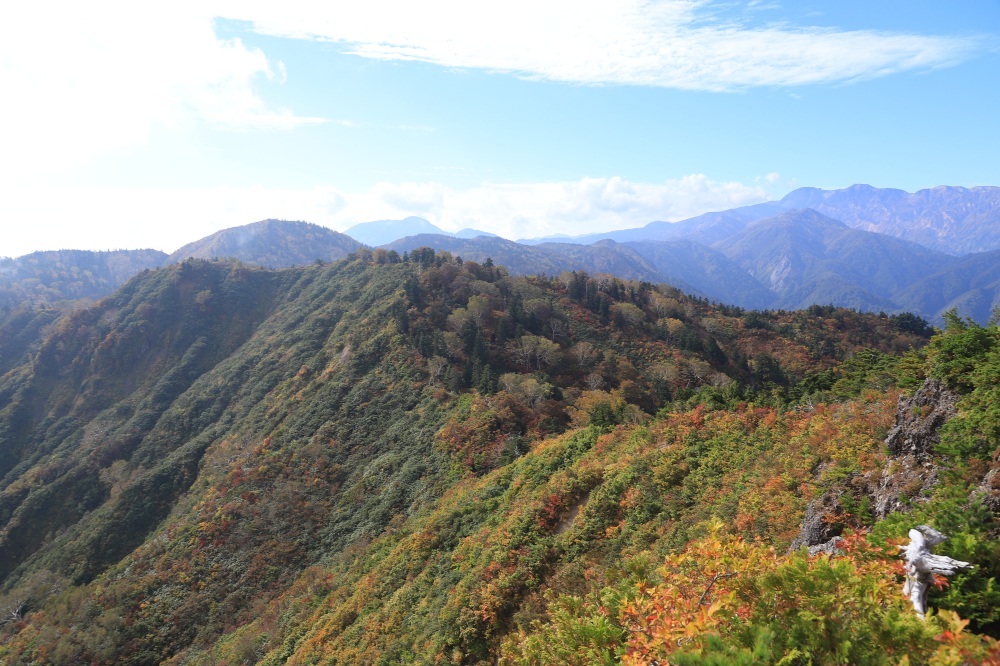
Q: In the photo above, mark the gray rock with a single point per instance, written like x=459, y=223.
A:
x=909, y=472
x=830, y=547
x=918, y=419
x=818, y=526
x=988, y=491
x=906, y=477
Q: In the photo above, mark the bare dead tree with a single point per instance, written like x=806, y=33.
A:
x=558, y=328
x=594, y=381
x=922, y=565
x=435, y=368
x=585, y=353
x=12, y=612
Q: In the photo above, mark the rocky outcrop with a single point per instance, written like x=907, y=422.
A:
x=988, y=491
x=918, y=419
x=907, y=474
x=826, y=516
x=820, y=525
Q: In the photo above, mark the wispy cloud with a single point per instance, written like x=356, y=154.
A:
x=667, y=43
x=82, y=79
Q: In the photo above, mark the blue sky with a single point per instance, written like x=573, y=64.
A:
x=126, y=126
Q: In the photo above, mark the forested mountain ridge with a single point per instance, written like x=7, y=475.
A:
x=271, y=244
x=44, y=279
x=791, y=260
x=38, y=288
x=402, y=458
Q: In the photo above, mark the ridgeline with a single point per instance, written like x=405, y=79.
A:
x=410, y=458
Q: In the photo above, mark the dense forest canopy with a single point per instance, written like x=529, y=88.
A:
x=411, y=458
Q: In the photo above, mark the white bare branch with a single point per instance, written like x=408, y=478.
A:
x=922, y=565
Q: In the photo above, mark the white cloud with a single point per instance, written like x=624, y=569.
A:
x=410, y=198
x=588, y=205
x=48, y=218
x=82, y=79
x=668, y=43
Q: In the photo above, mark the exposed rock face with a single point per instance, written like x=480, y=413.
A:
x=819, y=525
x=918, y=419
x=910, y=442
x=826, y=516
x=907, y=473
x=988, y=492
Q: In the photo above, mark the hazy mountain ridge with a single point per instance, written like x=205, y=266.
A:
x=955, y=220
x=709, y=271
x=46, y=278
x=707, y=228
x=805, y=257
x=272, y=244
x=777, y=267
x=545, y=259
x=383, y=232
x=971, y=284
x=790, y=261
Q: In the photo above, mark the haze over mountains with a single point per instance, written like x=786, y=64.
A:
x=860, y=247
x=955, y=220
x=381, y=232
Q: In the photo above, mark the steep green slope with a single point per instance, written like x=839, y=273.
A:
x=726, y=599
x=21, y=332
x=100, y=389
x=664, y=541
x=216, y=448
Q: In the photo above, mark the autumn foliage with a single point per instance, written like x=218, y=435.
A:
x=418, y=459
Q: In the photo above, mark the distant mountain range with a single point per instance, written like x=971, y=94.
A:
x=789, y=261
x=954, y=220
x=862, y=247
x=382, y=232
